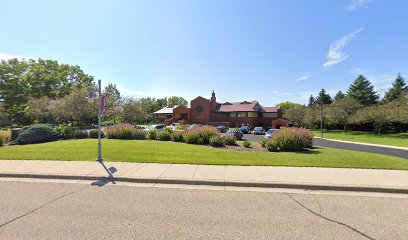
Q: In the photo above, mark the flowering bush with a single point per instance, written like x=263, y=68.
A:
x=200, y=135
x=290, y=139
x=229, y=140
x=124, y=131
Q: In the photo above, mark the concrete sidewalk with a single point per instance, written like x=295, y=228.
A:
x=391, y=181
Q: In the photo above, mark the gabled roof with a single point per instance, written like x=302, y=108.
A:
x=165, y=110
x=238, y=107
x=269, y=109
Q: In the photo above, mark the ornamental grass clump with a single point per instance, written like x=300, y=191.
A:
x=230, y=140
x=200, y=135
x=164, y=136
x=121, y=131
x=177, y=136
x=216, y=141
x=247, y=144
x=290, y=139
x=94, y=133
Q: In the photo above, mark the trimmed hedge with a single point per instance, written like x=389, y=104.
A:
x=37, y=133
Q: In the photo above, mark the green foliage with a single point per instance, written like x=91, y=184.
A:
x=94, y=133
x=176, y=101
x=263, y=142
x=200, y=135
x=164, y=136
x=398, y=89
x=182, y=127
x=124, y=131
x=216, y=141
x=285, y=106
x=342, y=111
x=323, y=98
x=312, y=101
x=152, y=134
x=229, y=140
x=362, y=91
x=246, y=144
x=80, y=134
x=290, y=139
x=66, y=132
x=37, y=133
x=272, y=146
x=191, y=137
x=107, y=123
x=177, y=136
x=2, y=140
x=168, y=130
x=339, y=95
x=112, y=89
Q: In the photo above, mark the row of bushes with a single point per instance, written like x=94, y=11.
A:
x=289, y=139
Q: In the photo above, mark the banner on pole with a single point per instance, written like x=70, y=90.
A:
x=103, y=103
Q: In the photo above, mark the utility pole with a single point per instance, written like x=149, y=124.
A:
x=321, y=120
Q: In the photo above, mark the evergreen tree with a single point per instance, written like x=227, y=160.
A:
x=323, y=97
x=312, y=101
x=340, y=95
x=362, y=91
x=397, y=90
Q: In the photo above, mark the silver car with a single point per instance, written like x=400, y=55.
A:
x=259, y=130
x=269, y=133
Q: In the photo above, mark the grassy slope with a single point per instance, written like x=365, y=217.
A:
x=397, y=139
x=170, y=152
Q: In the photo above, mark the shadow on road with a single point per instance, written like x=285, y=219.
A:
x=108, y=179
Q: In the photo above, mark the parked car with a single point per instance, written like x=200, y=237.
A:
x=236, y=133
x=159, y=128
x=259, y=130
x=194, y=126
x=269, y=133
x=222, y=128
x=245, y=129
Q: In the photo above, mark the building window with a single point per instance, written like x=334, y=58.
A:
x=199, y=108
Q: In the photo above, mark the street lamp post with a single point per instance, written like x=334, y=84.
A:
x=99, y=158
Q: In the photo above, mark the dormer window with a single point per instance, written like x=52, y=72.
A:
x=245, y=102
x=227, y=103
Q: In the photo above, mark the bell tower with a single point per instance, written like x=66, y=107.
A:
x=213, y=98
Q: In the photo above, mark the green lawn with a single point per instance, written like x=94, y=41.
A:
x=171, y=152
x=396, y=139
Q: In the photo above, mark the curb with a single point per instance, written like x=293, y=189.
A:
x=364, y=144
x=215, y=183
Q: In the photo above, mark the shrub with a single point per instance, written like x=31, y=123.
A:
x=94, y=133
x=247, y=144
x=121, y=131
x=271, y=146
x=164, y=136
x=37, y=133
x=200, y=135
x=139, y=134
x=5, y=136
x=81, y=134
x=107, y=123
x=263, y=142
x=168, y=130
x=177, y=136
x=191, y=137
x=152, y=134
x=182, y=127
x=66, y=132
x=291, y=139
x=216, y=141
x=230, y=140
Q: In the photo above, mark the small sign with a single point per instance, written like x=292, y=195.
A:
x=103, y=103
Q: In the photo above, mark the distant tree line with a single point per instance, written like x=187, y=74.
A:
x=45, y=91
x=358, y=109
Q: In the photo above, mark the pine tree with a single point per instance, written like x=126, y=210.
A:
x=397, y=90
x=312, y=101
x=362, y=91
x=323, y=97
x=340, y=95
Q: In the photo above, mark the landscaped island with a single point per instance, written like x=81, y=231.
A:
x=174, y=152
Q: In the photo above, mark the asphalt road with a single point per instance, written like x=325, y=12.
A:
x=79, y=211
x=347, y=146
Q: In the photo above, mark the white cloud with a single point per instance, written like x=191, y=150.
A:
x=336, y=54
x=5, y=56
x=304, y=77
x=356, y=4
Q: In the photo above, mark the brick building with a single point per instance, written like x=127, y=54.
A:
x=209, y=111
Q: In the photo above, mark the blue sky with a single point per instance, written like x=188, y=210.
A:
x=270, y=51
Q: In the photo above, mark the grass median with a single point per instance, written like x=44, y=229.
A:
x=171, y=152
x=393, y=139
